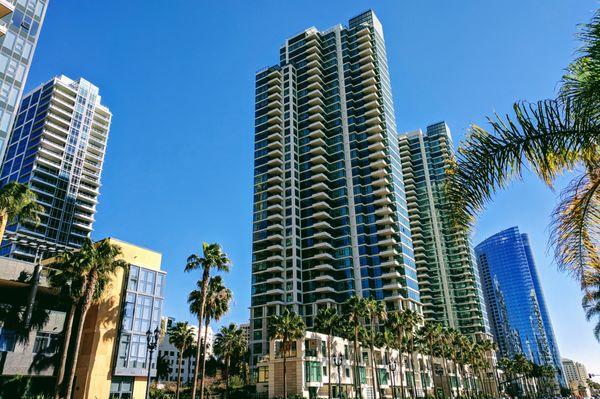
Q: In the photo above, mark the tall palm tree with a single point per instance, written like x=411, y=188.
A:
x=288, y=327
x=549, y=137
x=182, y=337
x=377, y=314
x=413, y=321
x=327, y=322
x=70, y=282
x=397, y=323
x=96, y=264
x=387, y=339
x=356, y=311
x=218, y=299
x=229, y=342
x=212, y=257
x=18, y=201
x=430, y=335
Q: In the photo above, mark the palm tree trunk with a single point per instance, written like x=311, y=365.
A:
x=65, y=351
x=402, y=374
x=3, y=222
x=431, y=369
x=448, y=377
x=205, y=276
x=329, y=364
x=412, y=365
x=357, y=365
x=284, y=347
x=373, y=373
x=227, y=377
x=84, y=306
x=179, y=373
x=204, y=346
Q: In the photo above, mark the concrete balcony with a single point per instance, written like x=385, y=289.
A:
x=320, y=205
x=319, y=159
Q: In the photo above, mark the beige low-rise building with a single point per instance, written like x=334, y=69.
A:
x=309, y=368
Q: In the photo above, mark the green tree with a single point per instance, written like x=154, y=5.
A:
x=218, y=298
x=229, y=342
x=182, y=337
x=327, y=322
x=413, y=321
x=17, y=201
x=356, y=311
x=549, y=138
x=397, y=322
x=591, y=302
x=89, y=270
x=287, y=327
x=212, y=257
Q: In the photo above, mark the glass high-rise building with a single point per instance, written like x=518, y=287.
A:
x=57, y=148
x=20, y=26
x=330, y=215
x=448, y=277
x=518, y=314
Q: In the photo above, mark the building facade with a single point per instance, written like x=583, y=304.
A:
x=57, y=148
x=113, y=361
x=577, y=377
x=516, y=306
x=448, y=276
x=330, y=217
x=188, y=363
x=20, y=25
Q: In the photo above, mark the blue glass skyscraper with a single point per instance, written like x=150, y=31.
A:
x=516, y=306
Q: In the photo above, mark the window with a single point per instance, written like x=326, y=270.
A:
x=143, y=311
x=160, y=284
x=146, y=283
x=123, y=350
x=313, y=371
x=137, y=356
x=7, y=340
x=121, y=388
x=45, y=343
x=128, y=311
x=133, y=278
x=263, y=374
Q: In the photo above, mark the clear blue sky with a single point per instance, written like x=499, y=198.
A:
x=179, y=79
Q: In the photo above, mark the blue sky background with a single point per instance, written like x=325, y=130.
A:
x=179, y=79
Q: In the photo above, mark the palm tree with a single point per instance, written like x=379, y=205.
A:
x=387, y=339
x=327, y=322
x=413, y=321
x=397, y=323
x=377, y=314
x=591, y=302
x=356, y=311
x=18, y=201
x=163, y=368
x=218, y=299
x=430, y=335
x=549, y=137
x=288, y=327
x=96, y=264
x=229, y=342
x=182, y=337
x=213, y=258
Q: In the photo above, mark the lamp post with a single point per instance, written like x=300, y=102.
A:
x=152, y=343
x=393, y=367
x=337, y=360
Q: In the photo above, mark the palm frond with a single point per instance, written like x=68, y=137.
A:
x=541, y=136
x=575, y=227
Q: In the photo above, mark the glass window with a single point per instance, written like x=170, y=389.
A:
x=123, y=349
x=128, y=311
x=45, y=343
x=137, y=354
x=160, y=284
x=156, y=313
x=7, y=340
x=133, y=278
x=121, y=388
x=143, y=311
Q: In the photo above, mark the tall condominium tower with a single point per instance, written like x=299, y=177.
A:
x=330, y=217
x=448, y=278
x=518, y=313
x=20, y=26
x=57, y=148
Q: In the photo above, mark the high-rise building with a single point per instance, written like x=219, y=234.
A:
x=20, y=25
x=577, y=377
x=330, y=215
x=448, y=278
x=516, y=307
x=57, y=148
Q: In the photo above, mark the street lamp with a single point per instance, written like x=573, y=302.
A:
x=152, y=343
x=393, y=367
x=337, y=360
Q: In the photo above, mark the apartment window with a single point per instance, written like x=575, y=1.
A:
x=7, y=340
x=45, y=343
x=263, y=374
x=128, y=311
x=137, y=356
x=133, y=278
x=143, y=311
x=121, y=388
x=146, y=281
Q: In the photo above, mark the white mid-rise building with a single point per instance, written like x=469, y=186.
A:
x=188, y=363
x=577, y=376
